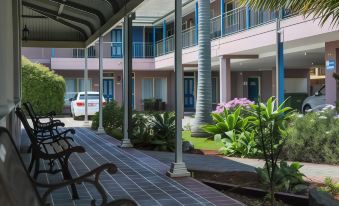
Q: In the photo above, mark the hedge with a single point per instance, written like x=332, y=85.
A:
x=42, y=87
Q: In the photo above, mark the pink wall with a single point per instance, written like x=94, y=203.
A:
x=332, y=91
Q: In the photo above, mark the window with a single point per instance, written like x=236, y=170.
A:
x=89, y=96
x=154, y=88
x=73, y=86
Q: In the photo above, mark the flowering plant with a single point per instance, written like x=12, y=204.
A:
x=233, y=104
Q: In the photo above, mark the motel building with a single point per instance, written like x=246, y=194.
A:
x=243, y=55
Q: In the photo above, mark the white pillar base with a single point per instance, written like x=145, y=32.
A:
x=86, y=124
x=178, y=170
x=126, y=143
x=101, y=130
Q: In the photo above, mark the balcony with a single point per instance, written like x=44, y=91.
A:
x=115, y=50
x=234, y=21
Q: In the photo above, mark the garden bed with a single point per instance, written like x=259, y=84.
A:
x=245, y=187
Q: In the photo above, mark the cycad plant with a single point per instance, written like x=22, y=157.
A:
x=163, y=126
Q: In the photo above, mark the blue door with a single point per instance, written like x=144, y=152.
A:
x=108, y=89
x=253, y=88
x=189, y=93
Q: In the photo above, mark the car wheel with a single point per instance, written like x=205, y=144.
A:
x=306, y=107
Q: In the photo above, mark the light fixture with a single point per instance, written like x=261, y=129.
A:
x=25, y=33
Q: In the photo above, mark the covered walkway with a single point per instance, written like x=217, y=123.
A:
x=140, y=177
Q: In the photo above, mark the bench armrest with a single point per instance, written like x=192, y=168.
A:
x=110, y=168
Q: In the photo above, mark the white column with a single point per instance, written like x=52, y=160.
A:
x=225, y=79
x=127, y=80
x=101, y=129
x=86, y=123
x=178, y=167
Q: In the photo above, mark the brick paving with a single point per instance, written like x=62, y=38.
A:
x=140, y=177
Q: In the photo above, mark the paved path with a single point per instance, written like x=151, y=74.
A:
x=315, y=172
x=199, y=162
x=139, y=177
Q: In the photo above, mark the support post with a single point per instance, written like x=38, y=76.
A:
x=225, y=79
x=280, y=70
x=222, y=16
x=248, y=17
x=178, y=167
x=164, y=34
x=153, y=41
x=86, y=123
x=101, y=129
x=196, y=21
x=127, y=80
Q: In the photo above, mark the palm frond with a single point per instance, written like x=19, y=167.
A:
x=325, y=10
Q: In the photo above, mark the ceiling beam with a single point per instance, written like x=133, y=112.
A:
x=241, y=56
x=40, y=9
x=33, y=17
x=66, y=23
x=189, y=65
x=114, y=20
x=54, y=44
x=82, y=8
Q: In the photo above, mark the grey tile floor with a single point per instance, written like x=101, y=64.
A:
x=140, y=177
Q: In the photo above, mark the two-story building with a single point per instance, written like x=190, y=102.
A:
x=243, y=51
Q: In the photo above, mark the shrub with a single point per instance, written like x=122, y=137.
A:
x=314, y=137
x=288, y=177
x=42, y=87
x=112, y=119
x=235, y=132
x=330, y=187
x=163, y=126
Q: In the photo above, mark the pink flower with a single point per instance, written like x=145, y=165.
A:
x=243, y=102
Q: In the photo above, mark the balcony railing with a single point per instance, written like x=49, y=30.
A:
x=234, y=21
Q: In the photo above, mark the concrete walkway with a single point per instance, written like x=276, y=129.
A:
x=314, y=172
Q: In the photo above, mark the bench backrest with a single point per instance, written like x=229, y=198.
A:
x=29, y=108
x=21, y=115
x=16, y=187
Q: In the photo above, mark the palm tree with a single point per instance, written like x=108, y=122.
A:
x=204, y=90
x=323, y=9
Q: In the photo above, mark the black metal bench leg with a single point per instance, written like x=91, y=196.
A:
x=36, y=169
x=67, y=176
x=30, y=167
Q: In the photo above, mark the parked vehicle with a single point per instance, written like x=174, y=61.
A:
x=78, y=104
x=314, y=101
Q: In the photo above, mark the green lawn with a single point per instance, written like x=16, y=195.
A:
x=201, y=143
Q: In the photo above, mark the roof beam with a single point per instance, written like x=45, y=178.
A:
x=189, y=65
x=241, y=56
x=82, y=8
x=54, y=44
x=79, y=29
x=64, y=16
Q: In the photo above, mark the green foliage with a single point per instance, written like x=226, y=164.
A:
x=323, y=9
x=288, y=178
x=42, y=87
x=235, y=131
x=112, y=119
x=163, y=126
x=142, y=132
x=330, y=186
x=313, y=137
x=270, y=126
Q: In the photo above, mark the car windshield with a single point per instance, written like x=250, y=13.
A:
x=89, y=96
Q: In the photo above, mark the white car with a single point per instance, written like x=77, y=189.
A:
x=78, y=104
x=315, y=101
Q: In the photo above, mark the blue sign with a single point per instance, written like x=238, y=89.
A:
x=330, y=64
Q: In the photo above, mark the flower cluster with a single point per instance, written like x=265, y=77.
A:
x=242, y=102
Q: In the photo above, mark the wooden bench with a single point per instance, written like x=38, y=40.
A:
x=43, y=128
x=54, y=148
x=19, y=189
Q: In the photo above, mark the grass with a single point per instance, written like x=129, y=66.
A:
x=201, y=143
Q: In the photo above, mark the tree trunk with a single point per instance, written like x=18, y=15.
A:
x=204, y=90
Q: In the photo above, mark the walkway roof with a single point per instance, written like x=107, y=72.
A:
x=71, y=23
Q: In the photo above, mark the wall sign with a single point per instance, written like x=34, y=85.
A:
x=330, y=64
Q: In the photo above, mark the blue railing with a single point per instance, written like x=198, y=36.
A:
x=234, y=21
x=139, y=49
